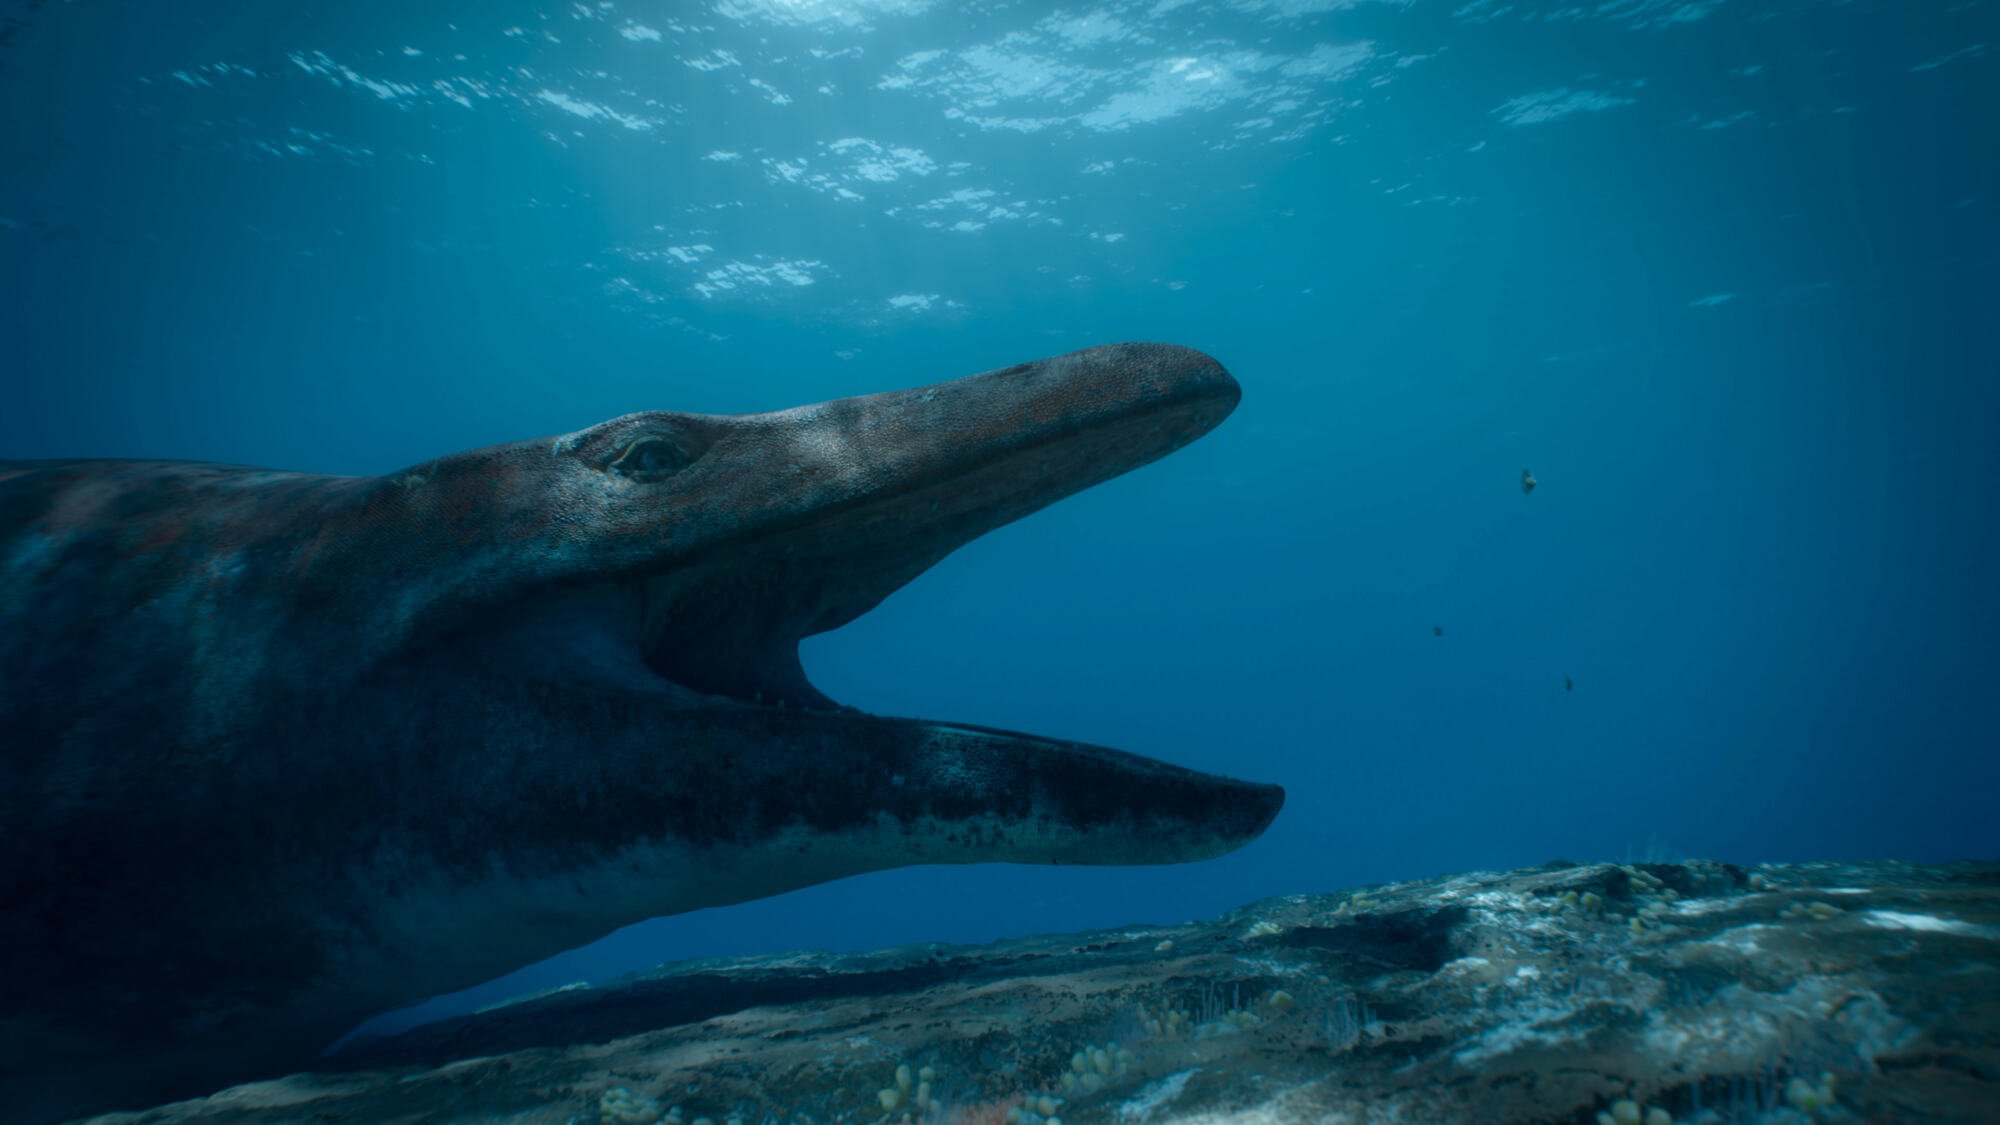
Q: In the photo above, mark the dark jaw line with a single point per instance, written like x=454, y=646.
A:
x=818, y=703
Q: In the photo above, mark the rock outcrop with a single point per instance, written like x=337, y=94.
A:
x=1642, y=993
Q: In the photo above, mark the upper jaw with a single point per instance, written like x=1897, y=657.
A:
x=907, y=475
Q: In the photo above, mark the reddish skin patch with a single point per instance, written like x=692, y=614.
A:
x=158, y=537
x=984, y=1113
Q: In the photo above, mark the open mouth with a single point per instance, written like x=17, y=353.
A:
x=731, y=626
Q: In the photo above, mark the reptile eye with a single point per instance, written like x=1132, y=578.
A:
x=651, y=458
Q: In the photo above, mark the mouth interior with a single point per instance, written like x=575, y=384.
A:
x=735, y=632
x=730, y=625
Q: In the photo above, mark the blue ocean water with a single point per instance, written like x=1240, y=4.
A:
x=1722, y=273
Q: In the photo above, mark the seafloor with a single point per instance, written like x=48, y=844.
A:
x=1643, y=993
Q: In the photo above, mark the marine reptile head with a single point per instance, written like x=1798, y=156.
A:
x=701, y=549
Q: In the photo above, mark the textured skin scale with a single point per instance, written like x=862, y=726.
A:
x=282, y=750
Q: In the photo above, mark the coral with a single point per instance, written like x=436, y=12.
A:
x=911, y=1091
x=620, y=1106
x=1036, y=1110
x=1092, y=1067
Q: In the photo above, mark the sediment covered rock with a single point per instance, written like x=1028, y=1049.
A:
x=1643, y=993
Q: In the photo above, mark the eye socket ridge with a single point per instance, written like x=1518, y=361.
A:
x=650, y=458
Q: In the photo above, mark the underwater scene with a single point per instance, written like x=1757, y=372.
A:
x=1016, y=562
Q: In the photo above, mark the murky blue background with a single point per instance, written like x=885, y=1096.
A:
x=1723, y=273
